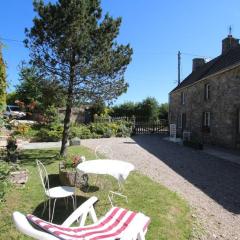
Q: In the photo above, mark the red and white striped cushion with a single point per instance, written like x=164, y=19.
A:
x=110, y=227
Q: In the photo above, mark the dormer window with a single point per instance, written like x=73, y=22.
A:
x=182, y=98
x=207, y=91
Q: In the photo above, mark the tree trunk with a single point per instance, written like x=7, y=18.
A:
x=67, y=118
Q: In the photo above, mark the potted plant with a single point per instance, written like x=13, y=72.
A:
x=68, y=174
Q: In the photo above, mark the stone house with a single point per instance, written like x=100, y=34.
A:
x=80, y=114
x=207, y=102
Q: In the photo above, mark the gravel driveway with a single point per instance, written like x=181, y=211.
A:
x=210, y=185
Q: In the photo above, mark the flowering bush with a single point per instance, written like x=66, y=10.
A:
x=76, y=160
x=72, y=161
x=68, y=174
x=21, y=129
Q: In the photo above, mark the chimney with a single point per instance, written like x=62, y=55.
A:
x=228, y=43
x=197, y=62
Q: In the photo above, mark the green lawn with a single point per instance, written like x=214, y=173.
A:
x=170, y=215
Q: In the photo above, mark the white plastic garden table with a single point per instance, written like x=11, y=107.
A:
x=116, y=168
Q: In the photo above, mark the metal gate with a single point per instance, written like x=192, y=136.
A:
x=160, y=127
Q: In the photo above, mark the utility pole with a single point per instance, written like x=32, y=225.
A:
x=230, y=30
x=179, y=65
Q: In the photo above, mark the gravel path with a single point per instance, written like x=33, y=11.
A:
x=211, y=185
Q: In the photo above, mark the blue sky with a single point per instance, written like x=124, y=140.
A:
x=155, y=29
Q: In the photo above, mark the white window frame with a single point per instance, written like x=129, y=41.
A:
x=180, y=120
x=207, y=119
x=182, y=98
x=206, y=91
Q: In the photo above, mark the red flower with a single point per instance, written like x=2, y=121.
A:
x=76, y=160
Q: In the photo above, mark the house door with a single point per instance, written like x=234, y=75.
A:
x=184, y=121
x=237, y=141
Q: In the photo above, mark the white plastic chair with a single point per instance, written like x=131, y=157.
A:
x=55, y=192
x=114, y=225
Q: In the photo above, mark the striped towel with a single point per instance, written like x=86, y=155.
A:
x=110, y=227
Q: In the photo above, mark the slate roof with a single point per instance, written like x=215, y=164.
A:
x=226, y=60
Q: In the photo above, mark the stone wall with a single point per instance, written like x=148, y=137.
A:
x=77, y=115
x=223, y=105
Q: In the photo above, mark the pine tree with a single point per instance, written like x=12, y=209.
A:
x=71, y=40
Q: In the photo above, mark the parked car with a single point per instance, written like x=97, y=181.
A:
x=14, y=112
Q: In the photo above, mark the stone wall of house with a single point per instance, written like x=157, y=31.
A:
x=77, y=115
x=224, y=104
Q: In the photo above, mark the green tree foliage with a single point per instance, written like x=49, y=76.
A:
x=98, y=108
x=11, y=98
x=52, y=115
x=71, y=40
x=34, y=87
x=127, y=109
x=3, y=82
x=163, y=111
x=146, y=110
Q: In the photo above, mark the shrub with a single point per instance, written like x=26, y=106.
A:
x=47, y=135
x=108, y=133
x=51, y=114
x=27, y=131
x=114, y=126
x=122, y=128
x=80, y=131
x=21, y=129
x=2, y=121
x=118, y=129
x=124, y=131
x=52, y=133
x=11, y=149
x=102, y=129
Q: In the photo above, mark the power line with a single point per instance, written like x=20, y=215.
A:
x=10, y=40
x=173, y=53
x=156, y=52
x=195, y=55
